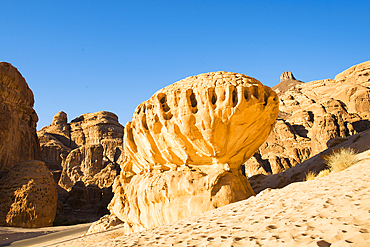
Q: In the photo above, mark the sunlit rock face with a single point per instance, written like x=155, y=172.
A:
x=18, y=139
x=88, y=149
x=185, y=145
x=311, y=115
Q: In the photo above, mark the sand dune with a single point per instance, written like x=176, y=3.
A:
x=330, y=210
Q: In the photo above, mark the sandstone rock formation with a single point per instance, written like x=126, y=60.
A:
x=287, y=81
x=88, y=149
x=359, y=142
x=28, y=195
x=18, y=139
x=185, y=145
x=84, y=156
x=27, y=190
x=311, y=114
x=82, y=203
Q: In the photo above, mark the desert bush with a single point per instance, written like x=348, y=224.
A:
x=310, y=175
x=323, y=173
x=340, y=159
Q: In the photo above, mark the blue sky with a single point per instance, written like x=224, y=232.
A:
x=88, y=56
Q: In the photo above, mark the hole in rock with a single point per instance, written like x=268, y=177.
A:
x=193, y=100
x=143, y=121
x=163, y=102
x=255, y=91
x=246, y=94
x=235, y=97
x=214, y=98
x=266, y=98
x=162, y=98
x=212, y=95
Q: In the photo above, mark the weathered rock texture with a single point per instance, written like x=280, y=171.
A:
x=84, y=156
x=311, y=114
x=185, y=145
x=88, y=149
x=18, y=139
x=82, y=203
x=287, y=81
x=27, y=190
x=28, y=195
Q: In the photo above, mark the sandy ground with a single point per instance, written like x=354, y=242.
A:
x=329, y=211
x=14, y=236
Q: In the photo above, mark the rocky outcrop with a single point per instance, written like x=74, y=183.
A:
x=28, y=195
x=287, y=81
x=359, y=143
x=287, y=75
x=82, y=203
x=18, y=139
x=27, y=189
x=185, y=145
x=311, y=114
x=88, y=149
x=84, y=156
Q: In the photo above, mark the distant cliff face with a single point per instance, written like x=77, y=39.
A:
x=311, y=114
x=84, y=156
x=88, y=149
x=18, y=139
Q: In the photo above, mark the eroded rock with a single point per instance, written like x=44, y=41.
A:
x=84, y=156
x=18, y=139
x=28, y=196
x=185, y=145
x=310, y=115
x=88, y=149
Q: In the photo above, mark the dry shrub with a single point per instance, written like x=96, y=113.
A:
x=340, y=159
x=310, y=175
x=323, y=173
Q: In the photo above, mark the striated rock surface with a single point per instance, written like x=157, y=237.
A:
x=18, y=139
x=84, y=156
x=28, y=195
x=311, y=114
x=88, y=149
x=185, y=145
x=82, y=204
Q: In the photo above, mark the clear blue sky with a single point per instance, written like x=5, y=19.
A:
x=88, y=56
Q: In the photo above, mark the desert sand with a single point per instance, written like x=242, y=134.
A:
x=330, y=210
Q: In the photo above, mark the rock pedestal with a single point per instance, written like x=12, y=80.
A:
x=185, y=145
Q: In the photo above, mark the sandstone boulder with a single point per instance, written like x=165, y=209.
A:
x=185, y=146
x=18, y=139
x=311, y=114
x=28, y=195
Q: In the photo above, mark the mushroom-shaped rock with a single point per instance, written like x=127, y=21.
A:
x=185, y=145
